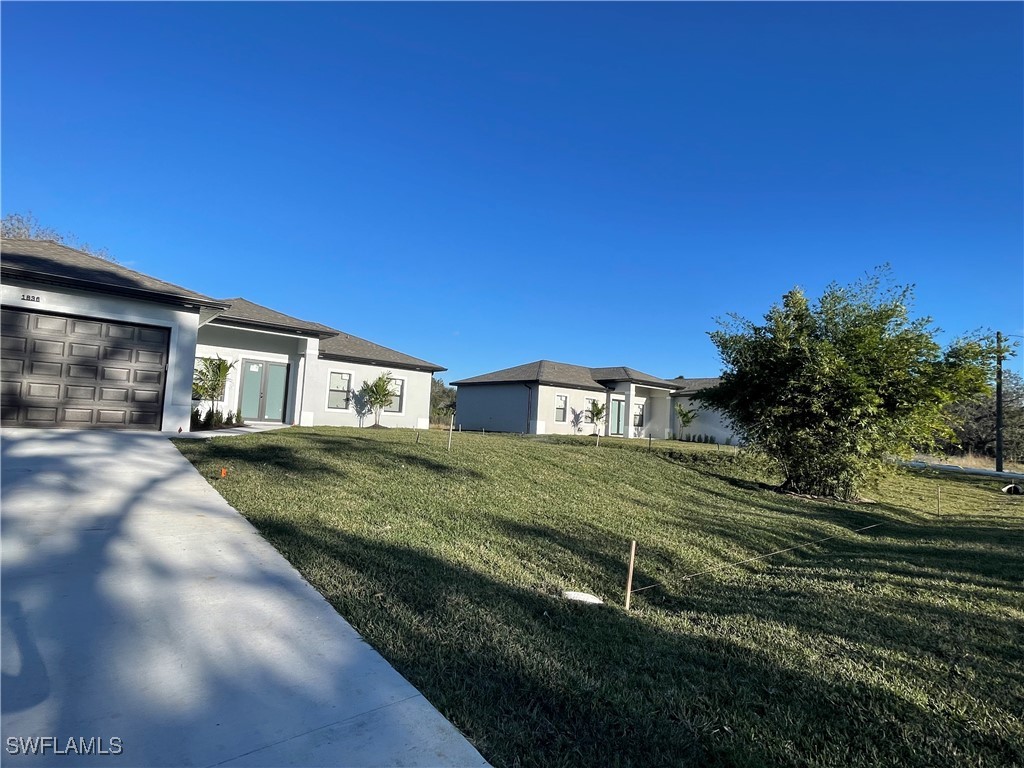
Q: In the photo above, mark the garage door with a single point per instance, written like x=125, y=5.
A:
x=80, y=372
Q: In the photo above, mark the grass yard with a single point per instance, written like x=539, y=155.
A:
x=900, y=645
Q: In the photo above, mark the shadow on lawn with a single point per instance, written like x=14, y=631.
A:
x=291, y=452
x=534, y=680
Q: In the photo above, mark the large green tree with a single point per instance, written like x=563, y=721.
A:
x=442, y=401
x=831, y=389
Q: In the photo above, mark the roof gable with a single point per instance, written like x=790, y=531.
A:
x=345, y=346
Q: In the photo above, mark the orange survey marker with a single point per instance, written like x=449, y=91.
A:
x=223, y=472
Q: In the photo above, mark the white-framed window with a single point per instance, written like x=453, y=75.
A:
x=588, y=417
x=561, y=407
x=339, y=391
x=638, y=415
x=397, y=404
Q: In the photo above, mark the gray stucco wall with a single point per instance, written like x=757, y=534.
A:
x=415, y=407
x=495, y=407
x=706, y=422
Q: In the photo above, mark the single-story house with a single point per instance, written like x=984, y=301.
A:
x=88, y=343
x=546, y=397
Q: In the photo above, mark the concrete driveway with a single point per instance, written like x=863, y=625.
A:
x=142, y=612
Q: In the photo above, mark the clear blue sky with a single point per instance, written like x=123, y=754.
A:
x=483, y=185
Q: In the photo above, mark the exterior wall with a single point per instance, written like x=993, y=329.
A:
x=238, y=344
x=495, y=407
x=576, y=404
x=415, y=407
x=657, y=413
x=182, y=322
x=707, y=422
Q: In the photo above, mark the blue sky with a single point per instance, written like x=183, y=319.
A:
x=483, y=185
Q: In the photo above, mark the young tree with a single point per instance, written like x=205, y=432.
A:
x=596, y=413
x=377, y=394
x=684, y=418
x=833, y=389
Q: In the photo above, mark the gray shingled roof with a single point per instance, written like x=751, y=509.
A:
x=49, y=262
x=541, y=371
x=566, y=375
x=244, y=312
x=622, y=373
x=689, y=386
x=345, y=346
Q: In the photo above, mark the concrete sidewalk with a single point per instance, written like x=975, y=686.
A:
x=139, y=606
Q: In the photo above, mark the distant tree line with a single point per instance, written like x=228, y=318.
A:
x=442, y=401
x=25, y=226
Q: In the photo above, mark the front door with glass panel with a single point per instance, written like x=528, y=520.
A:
x=617, y=422
x=264, y=390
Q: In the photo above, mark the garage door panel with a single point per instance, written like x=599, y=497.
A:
x=78, y=416
x=13, y=320
x=86, y=328
x=83, y=372
x=149, y=357
x=39, y=391
x=34, y=413
x=48, y=347
x=51, y=323
x=52, y=366
x=110, y=373
x=84, y=351
x=13, y=344
x=45, y=368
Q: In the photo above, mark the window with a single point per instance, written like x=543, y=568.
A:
x=398, y=401
x=638, y=415
x=588, y=416
x=560, y=407
x=339, y=391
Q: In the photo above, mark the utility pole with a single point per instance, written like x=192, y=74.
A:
x=999, y=401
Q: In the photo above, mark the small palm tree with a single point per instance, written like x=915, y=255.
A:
x=377, y=394
x=210, y=380
x=684, y=418
x=596, y=413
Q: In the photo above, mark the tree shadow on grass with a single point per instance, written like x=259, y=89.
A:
x=534, y=680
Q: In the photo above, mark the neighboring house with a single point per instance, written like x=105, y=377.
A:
x=89, y=343
x=545, y=397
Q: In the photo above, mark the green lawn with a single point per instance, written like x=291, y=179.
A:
x=901, y=645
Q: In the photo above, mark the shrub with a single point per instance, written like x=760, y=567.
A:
x=196, y=420
x=229, y=420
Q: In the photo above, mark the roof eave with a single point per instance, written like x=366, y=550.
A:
x=424, y=367
x=113, y=290
x=256, y=325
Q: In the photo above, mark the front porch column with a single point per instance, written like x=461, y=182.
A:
x=607, y=413
x=627, y=429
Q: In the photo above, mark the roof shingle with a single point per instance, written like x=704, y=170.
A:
x=49, y=262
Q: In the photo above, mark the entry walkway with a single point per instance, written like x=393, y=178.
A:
x=139, y=607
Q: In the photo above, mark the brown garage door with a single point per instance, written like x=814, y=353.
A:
x=81, y=372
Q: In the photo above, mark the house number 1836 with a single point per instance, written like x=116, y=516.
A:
x=30, y=297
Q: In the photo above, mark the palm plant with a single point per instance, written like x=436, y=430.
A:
x=596, y=413
x=377, y=394
x=210, y=380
